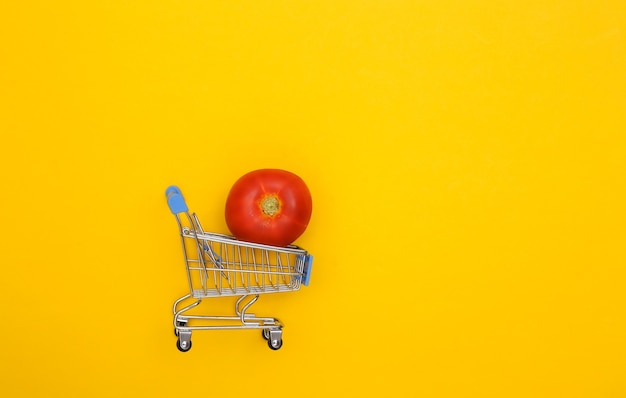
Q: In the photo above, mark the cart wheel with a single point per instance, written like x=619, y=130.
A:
x=275, y=344
x=265, y=333
x=183, y=349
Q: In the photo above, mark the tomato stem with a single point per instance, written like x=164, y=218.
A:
x=270, y=205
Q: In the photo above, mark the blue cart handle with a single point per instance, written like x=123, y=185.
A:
x=175, y=200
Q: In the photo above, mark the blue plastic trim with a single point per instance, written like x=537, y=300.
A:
x=175, y=200
x=306, y=272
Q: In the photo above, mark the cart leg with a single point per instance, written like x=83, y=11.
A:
x=241, y=311
x=180, y=300
x=180, y=324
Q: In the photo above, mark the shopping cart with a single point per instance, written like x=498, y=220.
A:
x=220, y=265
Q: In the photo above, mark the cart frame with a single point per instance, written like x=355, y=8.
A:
x=220, y=265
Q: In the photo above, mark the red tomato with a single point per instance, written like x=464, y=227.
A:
x=268, y=206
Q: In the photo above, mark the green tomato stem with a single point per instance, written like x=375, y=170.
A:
x=270, y=205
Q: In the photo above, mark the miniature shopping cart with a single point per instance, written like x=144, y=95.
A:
x=220, y=266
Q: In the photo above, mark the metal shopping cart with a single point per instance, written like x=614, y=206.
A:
x=220, y=265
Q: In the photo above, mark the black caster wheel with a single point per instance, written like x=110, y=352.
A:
x=275, y=344
x=183, y=347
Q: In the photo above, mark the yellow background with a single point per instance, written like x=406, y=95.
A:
x=466, y=160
